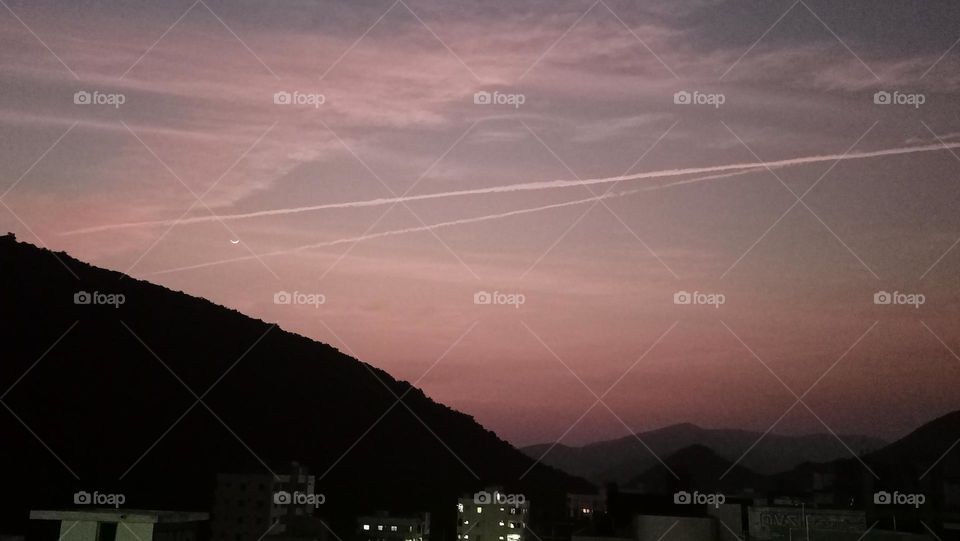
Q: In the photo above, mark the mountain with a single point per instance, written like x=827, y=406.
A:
x=933, y=446
x=697, y=468
x=927, y=454
x=153, y=397
x=621, y=459
x=926, y=461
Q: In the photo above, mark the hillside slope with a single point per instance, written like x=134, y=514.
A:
x=106, y=398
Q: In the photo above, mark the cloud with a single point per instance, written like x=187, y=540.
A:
x=530, y=186
x=451, y=223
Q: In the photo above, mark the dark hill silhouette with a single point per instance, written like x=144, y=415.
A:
x=925, y=461
x=100, y=399
x=925, y=455
x=621, y=459
x=922, y=448
x=697, y=468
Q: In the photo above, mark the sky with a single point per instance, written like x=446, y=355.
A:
x=592, y=165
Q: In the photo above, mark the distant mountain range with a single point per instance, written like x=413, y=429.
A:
x=112, y=390
x=622, y=459
x=925, y=461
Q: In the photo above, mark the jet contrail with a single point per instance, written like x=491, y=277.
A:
x=527, y=186
x=350, y=240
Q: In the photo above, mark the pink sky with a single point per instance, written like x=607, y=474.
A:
x=598, y=83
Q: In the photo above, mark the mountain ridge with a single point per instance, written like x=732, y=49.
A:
x=620, y=459
x=155, y=396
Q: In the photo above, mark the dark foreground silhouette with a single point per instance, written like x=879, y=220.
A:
x=153, y=397
x=110, y=398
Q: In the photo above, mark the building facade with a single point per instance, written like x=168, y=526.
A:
x=248, y=507
x=386, y=527
x=493, y=515
x=586, y=506
x=124, y=524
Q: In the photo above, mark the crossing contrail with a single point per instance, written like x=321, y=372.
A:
x=527, y=186
x=463, y=221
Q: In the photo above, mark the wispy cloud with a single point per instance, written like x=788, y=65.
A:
x=531, y=186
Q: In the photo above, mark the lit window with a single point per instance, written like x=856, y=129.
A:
x=479, y=510
x=380, y=527
x=393, y=528
x=466, y=522
x=460, y=507
x=501, y=523
x=366, y=527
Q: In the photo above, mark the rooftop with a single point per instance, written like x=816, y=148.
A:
x=119, y=515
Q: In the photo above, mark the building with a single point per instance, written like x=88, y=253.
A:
x=586, y=506
x=386, y=527
x=655, y=527
x=492, y=515
x=769, y=523
x=731, y=519
x=248, y=507
x=111, y=524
